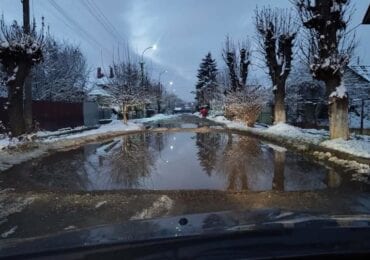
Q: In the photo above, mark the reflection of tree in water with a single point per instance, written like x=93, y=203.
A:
x=159, y=141
x=208, y=145
x=54, y=171
x=241, y=154
x=132, y=160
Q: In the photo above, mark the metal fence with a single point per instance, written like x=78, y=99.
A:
x=50, y=115
x=359, y=118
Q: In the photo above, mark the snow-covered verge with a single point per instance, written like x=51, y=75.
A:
x=116, y=126
x=360, y=148
x=157, y=117
x=356, y=146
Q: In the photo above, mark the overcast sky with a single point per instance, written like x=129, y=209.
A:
x=184, y=30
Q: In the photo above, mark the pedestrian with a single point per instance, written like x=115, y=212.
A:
x=204, y=112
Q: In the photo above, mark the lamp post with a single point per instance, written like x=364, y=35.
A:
x=154, y=47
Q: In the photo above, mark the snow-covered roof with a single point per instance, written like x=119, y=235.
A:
x=101, y=81
x=98, y=91
x=362, y=71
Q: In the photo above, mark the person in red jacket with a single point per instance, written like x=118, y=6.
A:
x=204, y=112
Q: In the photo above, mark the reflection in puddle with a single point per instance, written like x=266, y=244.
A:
x=176, y=161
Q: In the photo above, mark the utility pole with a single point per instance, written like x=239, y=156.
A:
x=27, y=84
x=362, y=116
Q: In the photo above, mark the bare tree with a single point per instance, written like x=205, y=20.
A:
x=125, y=85
x=276, y=32
x=18, y=53
x=329, y=51
x=63, y=74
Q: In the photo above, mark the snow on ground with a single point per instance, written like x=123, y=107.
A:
x=8, y=142
x=357, y=146
x=307, y=135
x=156, y=117
x=4, y=142
x=114, y=126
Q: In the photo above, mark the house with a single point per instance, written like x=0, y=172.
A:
x=307, y=98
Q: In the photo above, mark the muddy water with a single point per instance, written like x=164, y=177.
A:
x=156, y=175
x=177, y=161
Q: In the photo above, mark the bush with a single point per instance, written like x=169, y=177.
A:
x=245, y=105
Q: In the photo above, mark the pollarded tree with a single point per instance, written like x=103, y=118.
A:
x=276, y=31
x=207, y=87
x=329, y=50
x=19, y=51
x=238, y=70
x=243, y=101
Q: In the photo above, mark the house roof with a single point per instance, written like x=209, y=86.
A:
x=96, y=90
x=366, y=19
x=362, y=71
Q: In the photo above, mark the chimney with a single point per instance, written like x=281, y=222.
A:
x=111, y=74
x=99, y=74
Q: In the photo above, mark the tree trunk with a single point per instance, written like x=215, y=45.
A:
x=279, y=169
x=159, y=106
x=279, y=106
x=125, y=114
x=28, y=104
x=15, y=110
x=15, y=99
x=338, y=113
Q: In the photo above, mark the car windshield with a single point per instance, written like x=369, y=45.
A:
x=181, y=112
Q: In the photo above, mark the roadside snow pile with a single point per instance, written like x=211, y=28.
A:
x=114, y=126
x=307, y=135
x=230, y=124
x=8, y=142
x=156, y=117
x=4, y=142
x=359, y=148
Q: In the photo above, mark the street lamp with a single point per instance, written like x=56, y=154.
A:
x=154, y=47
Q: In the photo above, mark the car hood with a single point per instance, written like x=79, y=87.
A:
x=180, y=226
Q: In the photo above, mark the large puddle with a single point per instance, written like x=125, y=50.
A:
x=177, y=161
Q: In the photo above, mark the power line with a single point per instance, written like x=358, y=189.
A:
x=94, y=5
x=73, y=24
x=99, y=19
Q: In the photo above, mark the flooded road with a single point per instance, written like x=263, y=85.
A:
x=175, y=161
x=157, y=174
